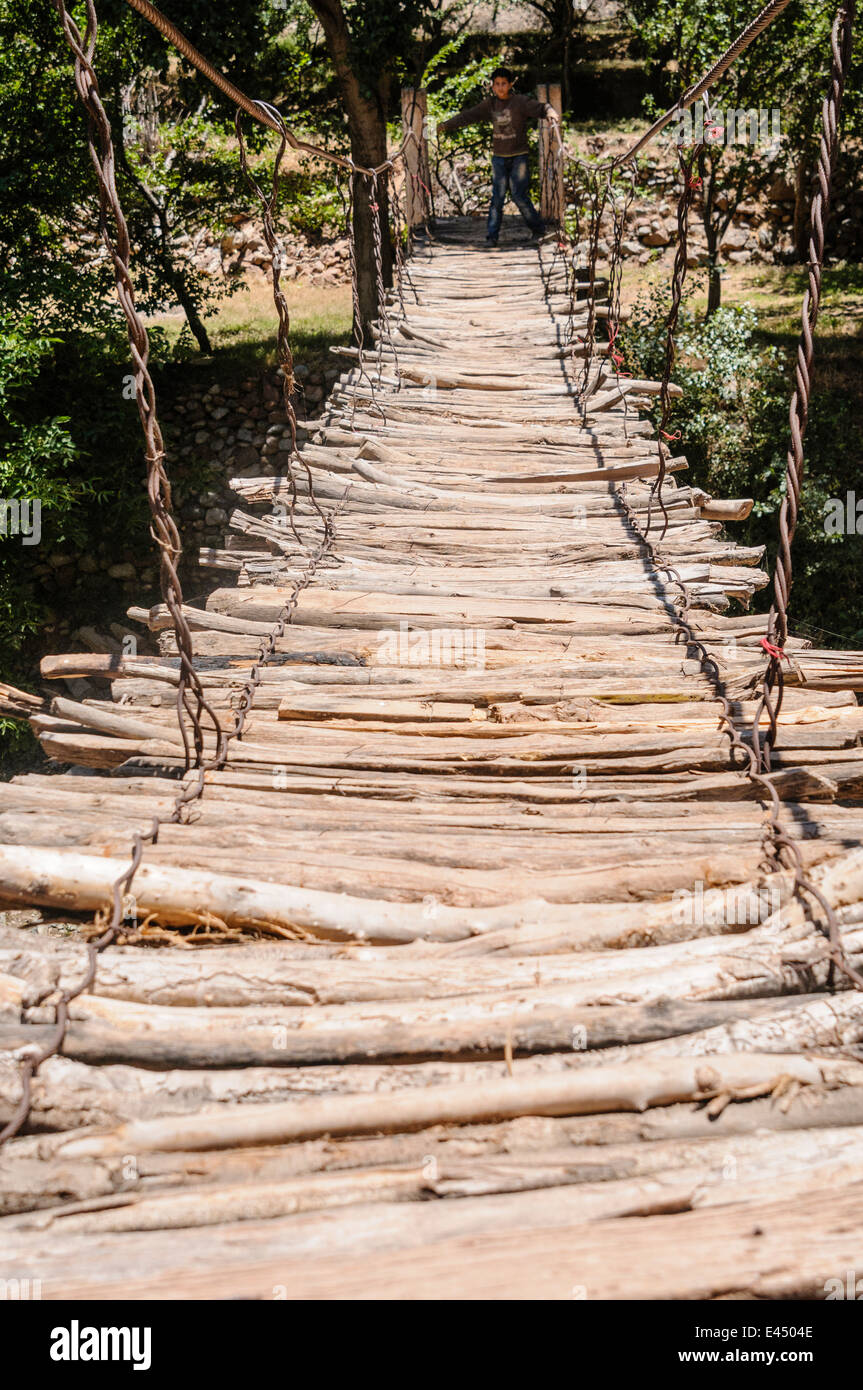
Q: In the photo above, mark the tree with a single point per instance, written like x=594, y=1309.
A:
x=786, y=69
x=365, y=92
x=374, y=46
x=563, y=23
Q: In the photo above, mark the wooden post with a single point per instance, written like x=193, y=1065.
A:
x=552, y=204
x=414, y=111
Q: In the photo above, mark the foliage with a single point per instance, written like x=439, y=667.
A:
x=734, y=422
x=785, y=71
x=67, y=460
x=311, y=202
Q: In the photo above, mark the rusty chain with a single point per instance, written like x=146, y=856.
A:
x=191, y=699
x=781, y=851
x=285, y=356
x=32, y=1057
x=384, y=326
x=597, y=190
x=192, y=707
x=620, y=209
x=687, y=163
x=841, y=40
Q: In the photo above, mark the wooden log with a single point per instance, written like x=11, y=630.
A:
x=526, y=1254
x=582, y=1092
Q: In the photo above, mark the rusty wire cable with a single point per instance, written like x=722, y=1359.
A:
x=31, y=1057
x=260, y=111
x=781, y=851
x=709, y=79
x=192, y=707
x=841, y=40
x=689, y=186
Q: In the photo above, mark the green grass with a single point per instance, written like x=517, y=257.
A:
x=243, y=331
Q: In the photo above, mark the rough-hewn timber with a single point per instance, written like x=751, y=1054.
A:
x=527, y=960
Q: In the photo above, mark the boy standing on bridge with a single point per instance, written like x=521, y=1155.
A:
x=509, y=112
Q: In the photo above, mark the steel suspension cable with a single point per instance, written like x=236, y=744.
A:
x=841, y=40
x=260, y=111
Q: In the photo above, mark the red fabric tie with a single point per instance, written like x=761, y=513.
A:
x=773, y=651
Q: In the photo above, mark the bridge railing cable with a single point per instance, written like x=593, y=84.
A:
x=752, y=754
x=261, y=111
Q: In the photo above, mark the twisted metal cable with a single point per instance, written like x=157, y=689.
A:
x=841, y=41
x=739, y=45
x=269, y=204
x=687, y=193
x=258, y=110
x=192, y=707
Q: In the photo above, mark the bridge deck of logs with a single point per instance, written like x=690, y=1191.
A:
x=464, y=976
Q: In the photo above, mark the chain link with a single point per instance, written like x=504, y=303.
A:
x=841, y=40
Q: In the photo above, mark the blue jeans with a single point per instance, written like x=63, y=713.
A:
x=513, y=170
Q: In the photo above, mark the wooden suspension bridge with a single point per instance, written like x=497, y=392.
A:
x=486, y=989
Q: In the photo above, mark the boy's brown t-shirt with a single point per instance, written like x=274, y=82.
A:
x=509, y=118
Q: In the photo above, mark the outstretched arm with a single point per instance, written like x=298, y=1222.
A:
x=470, y=116
x=534, y=109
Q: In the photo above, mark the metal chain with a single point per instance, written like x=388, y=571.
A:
x=597, y=191
x=192, y=706
x=394, y=211
x=384, y=325
x=32, y=1057
x=620, y=210
x=841, y=40
x=269, y=204
x=780, y=850
x=267, y=648
x=664, y=436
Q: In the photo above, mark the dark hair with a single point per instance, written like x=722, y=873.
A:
x=503, y=72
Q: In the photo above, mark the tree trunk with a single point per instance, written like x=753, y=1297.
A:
x=173, y=273
x=177, y=280
x=368, y=137
x=714, y=274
